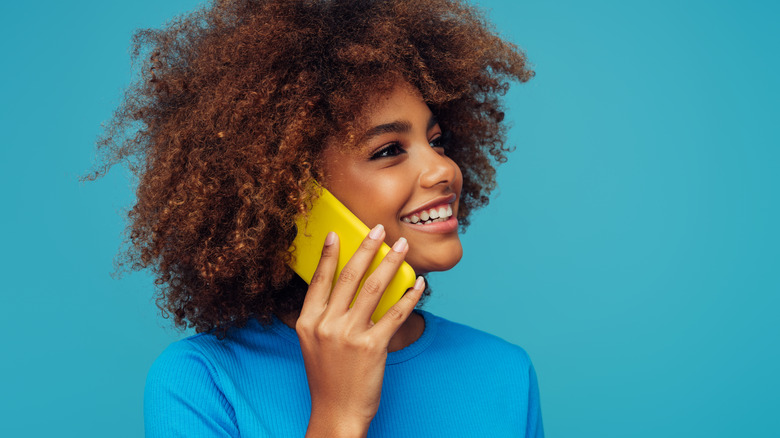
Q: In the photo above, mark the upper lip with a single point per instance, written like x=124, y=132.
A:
x=449, y=199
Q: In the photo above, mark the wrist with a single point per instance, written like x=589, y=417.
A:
x=336, y=426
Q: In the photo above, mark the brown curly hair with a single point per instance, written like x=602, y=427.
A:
x=230, y=110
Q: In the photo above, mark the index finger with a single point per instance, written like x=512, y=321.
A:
x=319, y=288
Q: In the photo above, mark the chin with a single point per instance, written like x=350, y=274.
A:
x=437, y=264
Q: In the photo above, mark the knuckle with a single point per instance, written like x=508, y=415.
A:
x=323, y=332
x=329, y=251
x=348, y=335
x=408, y=301
x=372, y=286
x=394, y=257
x=368, y=244
x=319, y=277
x=306, y=329
x=348, y=275
x=368, y=343
x=346, y=338
x=394, y=313
x=302, y=326
x=410, y=297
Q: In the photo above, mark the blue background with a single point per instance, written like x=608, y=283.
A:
x=632, y=248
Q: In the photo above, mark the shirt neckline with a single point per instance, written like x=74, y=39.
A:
x=395, y=357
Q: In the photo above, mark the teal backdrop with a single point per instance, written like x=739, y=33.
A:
x=631, y=248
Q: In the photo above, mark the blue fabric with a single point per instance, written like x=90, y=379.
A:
x=453, y=381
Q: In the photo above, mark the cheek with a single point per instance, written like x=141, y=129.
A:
x=388, y=195
x=378, y=202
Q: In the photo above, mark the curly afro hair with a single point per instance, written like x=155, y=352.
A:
x=231, y=108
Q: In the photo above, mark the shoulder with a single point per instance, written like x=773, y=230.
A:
x=476, y=344
x=495, y=373
x=193, y=385
x=183, y=394
x=182, y=366
x=204, y=361
x=191, y=367
x=204, y=356
x=182, y=355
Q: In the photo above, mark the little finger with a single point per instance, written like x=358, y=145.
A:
x=396, y=315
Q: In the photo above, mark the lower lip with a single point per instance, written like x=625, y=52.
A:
x=443, y=227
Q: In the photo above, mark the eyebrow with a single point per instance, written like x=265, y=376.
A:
x=399, y=127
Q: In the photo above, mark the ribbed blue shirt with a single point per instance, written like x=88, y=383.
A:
x=454, y=381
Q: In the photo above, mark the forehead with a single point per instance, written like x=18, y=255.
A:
x=400, y=109
x=397, y=104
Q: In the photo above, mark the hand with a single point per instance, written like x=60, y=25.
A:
x=344, y=352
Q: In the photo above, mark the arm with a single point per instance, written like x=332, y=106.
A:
x=534, y=428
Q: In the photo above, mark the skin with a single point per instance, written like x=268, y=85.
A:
x=405, y=173
x=392, y=174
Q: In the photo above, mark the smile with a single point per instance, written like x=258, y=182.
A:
x=428, y=216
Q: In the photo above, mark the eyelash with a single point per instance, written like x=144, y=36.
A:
x=395, y=147
x=439, y=142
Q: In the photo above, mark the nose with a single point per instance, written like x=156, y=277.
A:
x=436, y=168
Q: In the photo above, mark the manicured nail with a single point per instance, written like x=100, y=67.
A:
x=400, y=245
x=376, y=233
x=330, y=239
x=420, y=283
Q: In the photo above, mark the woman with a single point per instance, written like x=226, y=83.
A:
x=393, y=106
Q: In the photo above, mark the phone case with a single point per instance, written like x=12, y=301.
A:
x=329, y=214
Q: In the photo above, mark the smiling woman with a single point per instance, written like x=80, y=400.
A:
x=400, y=171
x=240, y=106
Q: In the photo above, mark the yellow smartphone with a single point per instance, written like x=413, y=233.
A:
x=329, y=214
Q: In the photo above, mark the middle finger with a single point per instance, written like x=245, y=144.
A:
x=375, y=285
x=353, y=272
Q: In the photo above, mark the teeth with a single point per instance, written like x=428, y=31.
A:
x=428, y=216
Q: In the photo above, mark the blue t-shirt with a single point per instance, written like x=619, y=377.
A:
x=453, y=381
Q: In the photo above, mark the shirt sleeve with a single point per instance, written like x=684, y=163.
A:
x=182, y=397
x=534, y=428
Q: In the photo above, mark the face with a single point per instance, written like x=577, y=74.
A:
x=401, y=177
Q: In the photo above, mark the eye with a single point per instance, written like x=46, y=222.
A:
x=391, y=150
x=442, y=141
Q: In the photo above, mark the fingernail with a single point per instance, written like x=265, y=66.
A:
x=330, y=239
x=420, y=283
x=400, y=245
x=376, y=233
